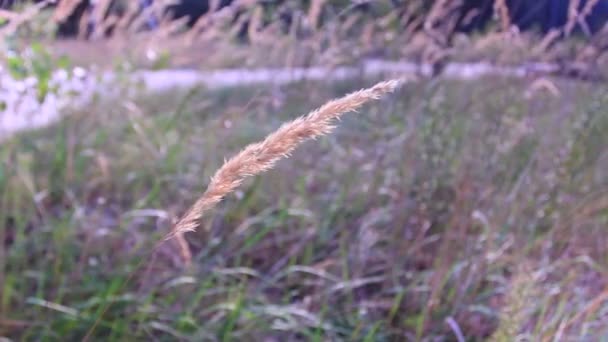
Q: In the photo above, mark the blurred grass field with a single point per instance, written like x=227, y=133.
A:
x=449, y=208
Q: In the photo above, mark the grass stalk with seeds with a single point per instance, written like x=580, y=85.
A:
x=262, y=156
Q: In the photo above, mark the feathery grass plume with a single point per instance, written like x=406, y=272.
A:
x=259, y=157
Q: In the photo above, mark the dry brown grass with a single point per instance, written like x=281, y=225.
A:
x=262, y=156
x=573, y=16
x=500, y=7
x=65, y=9
x=576, y=16
x=18, y=19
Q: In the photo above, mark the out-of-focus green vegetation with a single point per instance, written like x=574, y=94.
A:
x=451, y=210
x=451, y=207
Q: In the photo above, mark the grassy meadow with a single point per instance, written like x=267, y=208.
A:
x=446, y=211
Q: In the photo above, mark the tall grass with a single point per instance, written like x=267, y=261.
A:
x=259, y=157
x=412, y=225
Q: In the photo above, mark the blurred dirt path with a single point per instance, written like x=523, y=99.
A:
x=21, y=109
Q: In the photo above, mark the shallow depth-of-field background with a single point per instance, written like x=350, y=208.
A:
x=450, y=210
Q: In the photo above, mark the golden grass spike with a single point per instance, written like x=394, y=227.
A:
x=259, y=157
